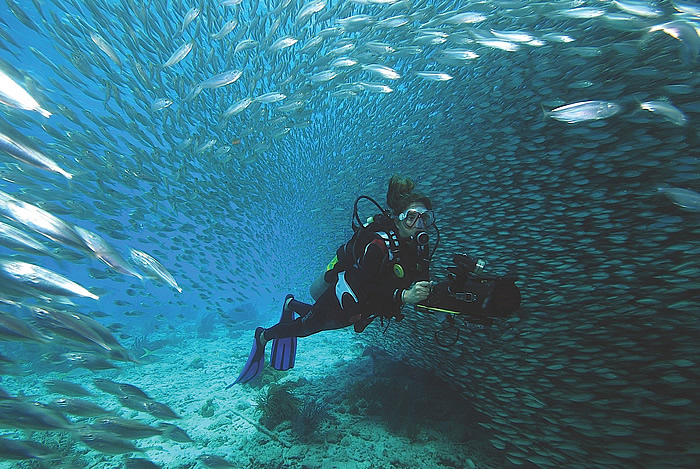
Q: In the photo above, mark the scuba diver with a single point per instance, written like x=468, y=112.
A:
x=382, y=268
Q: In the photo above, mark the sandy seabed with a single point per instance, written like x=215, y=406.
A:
x=429, y=427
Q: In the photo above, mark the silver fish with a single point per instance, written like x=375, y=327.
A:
x=35, y=278
x=382, y=70
x=17, y=239
x=21, y=15
x=513, y=36
x=684, y=198
x=206, y=145
x=331, y=32
x=379, y=47
x=271, y=97
x=667, y=110
x=466, y=18
x=499, y=44
x=31, y=416
x=312, y=45
x=106, y=442
x=131, y=429
x=323, y=76
x=584, y=111
x=688, y=36
x=237, y=107
x=434, y=76
x=291, y=106
x=582, y=12
x=355, y=22
x=460, y=55
x=82, y=329
x=119, y=389
x=245, y=45
x=175, y=433
x=153, y=268
x=89, y=361
x=639, y=8
x=226, y=28
x=30, y=156
x=160, y=104
x=13, y=328
x=214, y=461
x=160, y=410
x=103, y=251
x=108, y=386
x=190, y=16
x=13, y=95
x=221, y=79
x=343, y=62
x=106, y=48
x=283, y=43
x=66, y=388
x=309, y=9
x=79, y=407
x=40, y=221
x=687, y=6
x=558, y=37
x=179, y=54
x=12, y=449
x=375, y=87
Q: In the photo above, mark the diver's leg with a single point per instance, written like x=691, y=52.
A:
x=256, y=360
x=302, y=309
x=284, y=350
x=325, y=314
x=296, y=328
x=283, y=336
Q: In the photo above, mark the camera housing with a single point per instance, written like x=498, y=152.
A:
x=468, y=292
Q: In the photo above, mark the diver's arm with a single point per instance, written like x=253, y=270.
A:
x=419, y=291
x=366, y=280
x=365, y=275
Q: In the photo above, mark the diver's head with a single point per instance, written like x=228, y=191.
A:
x=415, y=219
x=412, y=211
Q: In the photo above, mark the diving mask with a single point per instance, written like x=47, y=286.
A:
x=423, y=218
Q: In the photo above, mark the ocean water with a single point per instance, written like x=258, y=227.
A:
x=234, y=165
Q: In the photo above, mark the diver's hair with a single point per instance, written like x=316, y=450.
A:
x=401, y=194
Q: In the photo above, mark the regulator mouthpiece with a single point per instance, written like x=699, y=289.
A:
x=422, y=238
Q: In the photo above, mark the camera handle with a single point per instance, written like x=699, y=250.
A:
x=443, y=336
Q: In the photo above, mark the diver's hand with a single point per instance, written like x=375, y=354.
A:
x=418, y=292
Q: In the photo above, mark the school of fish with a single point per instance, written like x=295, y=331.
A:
x=216, y=148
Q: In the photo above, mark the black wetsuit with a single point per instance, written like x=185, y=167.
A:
x=371, y=272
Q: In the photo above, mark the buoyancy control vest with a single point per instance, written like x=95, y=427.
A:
x=404, y=263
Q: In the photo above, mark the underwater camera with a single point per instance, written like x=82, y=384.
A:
x=478, y=298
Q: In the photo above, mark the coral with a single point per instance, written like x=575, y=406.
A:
x=311, y=415
x=277, y=404
x=196, y=364
x=143, y=347
x=208, y=408
x=390, y=398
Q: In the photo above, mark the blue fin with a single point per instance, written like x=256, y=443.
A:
x=255, y=363
x=284, y=351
